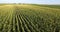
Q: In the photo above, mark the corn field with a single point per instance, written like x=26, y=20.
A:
x=29, y=18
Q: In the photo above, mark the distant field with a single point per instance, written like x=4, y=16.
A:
x=51, y=6
x=29, y=18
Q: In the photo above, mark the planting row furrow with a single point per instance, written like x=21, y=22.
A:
x=28, y=24
x=14, y=24
x=17, y=24
x=25, y=25
x=10, y=23
x=21, y=24
x=5, y=26
x=28, y=20
x=1, y=24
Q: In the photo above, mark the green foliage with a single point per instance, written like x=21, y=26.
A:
x=29, y=18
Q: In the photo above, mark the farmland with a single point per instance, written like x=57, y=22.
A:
x=29, y=18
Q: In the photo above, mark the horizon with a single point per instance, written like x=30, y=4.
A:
x=32, y=1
